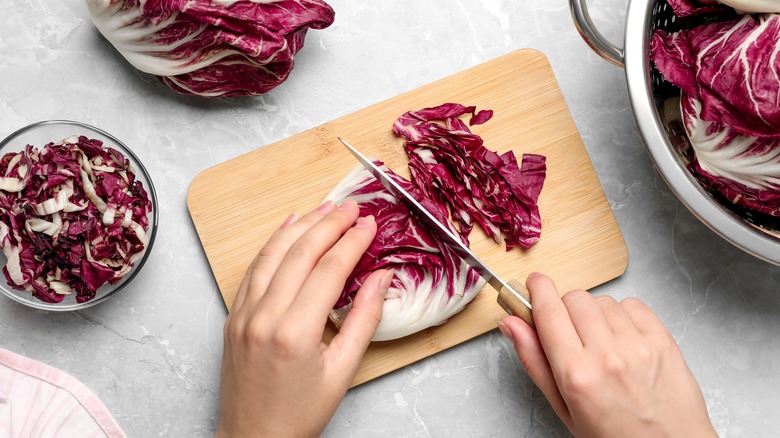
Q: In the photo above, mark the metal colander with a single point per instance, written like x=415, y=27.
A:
x=656, y=107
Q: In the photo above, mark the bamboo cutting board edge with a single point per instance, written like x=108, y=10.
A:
x=551, y=120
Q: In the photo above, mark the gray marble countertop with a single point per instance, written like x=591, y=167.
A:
x=153, y=353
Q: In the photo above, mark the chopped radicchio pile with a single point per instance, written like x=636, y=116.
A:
x=207, y=47
x=72, y=217
x=449, y=164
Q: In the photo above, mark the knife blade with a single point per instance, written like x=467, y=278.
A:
x=513, y=297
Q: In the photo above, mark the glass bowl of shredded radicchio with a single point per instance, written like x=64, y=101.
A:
x=78, y=215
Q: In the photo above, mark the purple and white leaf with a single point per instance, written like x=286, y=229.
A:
x=211, y=48
x=744, y=169
x=731, y=67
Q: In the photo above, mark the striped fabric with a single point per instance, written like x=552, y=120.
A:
x=39, y=401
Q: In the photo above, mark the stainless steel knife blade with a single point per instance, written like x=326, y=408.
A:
x=512, y=295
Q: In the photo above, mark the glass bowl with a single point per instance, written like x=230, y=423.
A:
x=38, y=135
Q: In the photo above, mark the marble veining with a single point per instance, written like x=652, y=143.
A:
x=153, y=353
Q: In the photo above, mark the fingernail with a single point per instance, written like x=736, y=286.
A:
x=534, y=275
x=290, y=219
x=349, y=204
x=384, y=284
x=505, y=330
x=325, y=207
x=364, y=222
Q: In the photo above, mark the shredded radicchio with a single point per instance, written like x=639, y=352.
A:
x=451, y=165
x=73, y=216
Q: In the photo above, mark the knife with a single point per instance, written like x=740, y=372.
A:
x=513, y=297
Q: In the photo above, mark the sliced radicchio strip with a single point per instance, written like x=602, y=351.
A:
x=431, y=282
x=72, y=217
x=450, y=164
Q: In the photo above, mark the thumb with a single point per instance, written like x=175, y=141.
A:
x=362, y=320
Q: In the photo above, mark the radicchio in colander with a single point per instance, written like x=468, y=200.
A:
x=684, y=8
x=211, y=47
x=744, y=169
x=731, y=67
x=729, y=76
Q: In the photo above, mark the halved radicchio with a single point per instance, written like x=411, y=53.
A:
x=431, y=282
x=450, y=166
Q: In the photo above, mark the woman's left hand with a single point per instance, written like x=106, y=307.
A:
x=278, y=377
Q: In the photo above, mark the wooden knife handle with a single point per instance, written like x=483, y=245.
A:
x=513, y=305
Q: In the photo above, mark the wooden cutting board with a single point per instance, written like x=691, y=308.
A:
x=236, y=205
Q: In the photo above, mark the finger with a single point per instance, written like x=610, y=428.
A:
x=326, y=282
x=556, y=331
x=587, y=317
x=303, y=256
x=238, y=300
x=645, y=320
x=531, y=354
x=616, y=315
x=349, y=345
x=267, y=261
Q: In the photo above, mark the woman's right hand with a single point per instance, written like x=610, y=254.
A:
x=608, y=368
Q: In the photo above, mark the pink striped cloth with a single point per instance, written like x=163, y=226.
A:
x=37, y=400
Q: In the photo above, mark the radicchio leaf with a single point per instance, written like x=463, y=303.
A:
x=731, y=67
x=685, y=8
x=743, y=169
